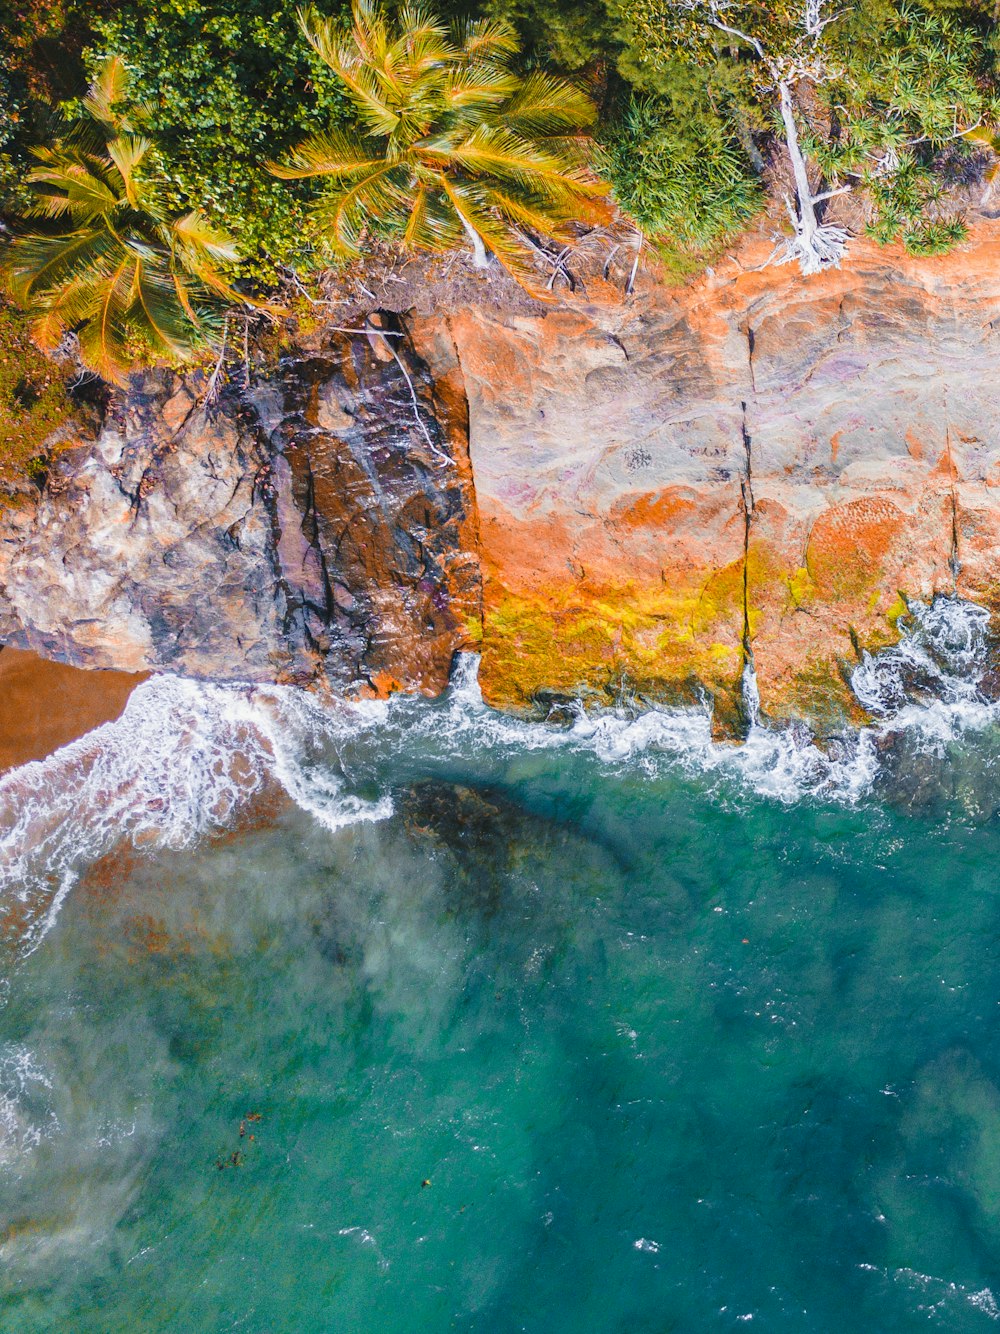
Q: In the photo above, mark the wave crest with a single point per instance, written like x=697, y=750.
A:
x=185, y=757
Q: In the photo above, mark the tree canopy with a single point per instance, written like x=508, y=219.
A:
x=114, y=266
x=455, y=146
x=309, y=138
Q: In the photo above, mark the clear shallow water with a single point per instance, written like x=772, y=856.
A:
x=682, y=1038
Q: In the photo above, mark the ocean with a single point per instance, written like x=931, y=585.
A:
x=409, y=1017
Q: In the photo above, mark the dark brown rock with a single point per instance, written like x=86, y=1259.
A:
x=311, y=527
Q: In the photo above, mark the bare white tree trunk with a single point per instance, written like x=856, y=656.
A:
x=814, y=246
x=480, y=255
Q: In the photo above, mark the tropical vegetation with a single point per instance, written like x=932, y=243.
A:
x=110, y=263
x=454, y=147
x=33, y=402
x=490, y=126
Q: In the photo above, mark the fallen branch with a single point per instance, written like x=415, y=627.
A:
x=635, y=267
x=216, y=376
x=382, y=333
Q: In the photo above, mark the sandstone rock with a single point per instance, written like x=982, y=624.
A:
x=617, y=499
x=751, y=462
x=310, y=528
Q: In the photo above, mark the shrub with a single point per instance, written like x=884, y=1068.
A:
x=33, y=400
x=228, y=84
x=690, y=185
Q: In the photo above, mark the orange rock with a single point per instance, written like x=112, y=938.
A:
x=610, y=449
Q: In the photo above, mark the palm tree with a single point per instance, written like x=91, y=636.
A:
x=455, y=147
x=129, y=278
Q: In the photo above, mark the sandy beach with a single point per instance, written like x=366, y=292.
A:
x=45, y=705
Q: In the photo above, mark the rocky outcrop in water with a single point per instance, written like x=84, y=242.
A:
x=620, y=499
x=318, y=524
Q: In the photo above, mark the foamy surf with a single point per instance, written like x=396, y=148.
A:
x=185, y=757
x=928, y=686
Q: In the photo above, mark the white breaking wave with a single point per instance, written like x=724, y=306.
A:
x=780, y=763
x=928, y=687
x=186, y=756
x=180, y=762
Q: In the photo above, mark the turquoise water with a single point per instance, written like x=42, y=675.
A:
x=600, y=1031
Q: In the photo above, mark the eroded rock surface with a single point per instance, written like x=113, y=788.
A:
x=753, y=463
x=312, y=526
x=659, y=487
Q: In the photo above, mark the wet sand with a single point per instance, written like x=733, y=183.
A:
x=45, y=705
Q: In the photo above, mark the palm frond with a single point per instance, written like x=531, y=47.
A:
x=107, y=90
x=478, y=88
x=422, y=47
x=485, y=39
x=457, y=144
x=37, y=264
x=432, y=225
x=494, y=152
x=202, y=244
x=104, y=336
x=129, y=278
x=328, y=153
x=160, y=319
x=542, y=104
x=73, y=182
x=127, y=151
x=347, y=60
x=537, y=216
x=473, y=210
x=340, y=217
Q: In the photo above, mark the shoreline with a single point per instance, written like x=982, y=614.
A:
x=45, y=705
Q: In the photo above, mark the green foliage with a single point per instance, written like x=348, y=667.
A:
x=905, y=205
x=887, y=84
x=115, y=265
x=10, y=115
x=229, y=84
x=905, y=87
x=570, y=34
x=40, y=65
x=33, y=400
x=687, y=182
x=759, y=41
x=687, y=89
x=911, y=81
x=454, y=146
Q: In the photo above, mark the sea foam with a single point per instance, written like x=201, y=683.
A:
x=185, y=757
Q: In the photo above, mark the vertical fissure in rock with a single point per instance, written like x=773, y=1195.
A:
x=954, y=564
x=751, y=344
x=749, y=509
x=263, y=488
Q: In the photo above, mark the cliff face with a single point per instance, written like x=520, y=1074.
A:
x=752, y=464
x=316, y=526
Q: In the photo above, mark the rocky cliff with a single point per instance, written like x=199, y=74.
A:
x=316, y=523
x=753, y=464
x=614, y=498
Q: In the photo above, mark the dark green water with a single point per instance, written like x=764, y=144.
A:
x=562, y=1045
